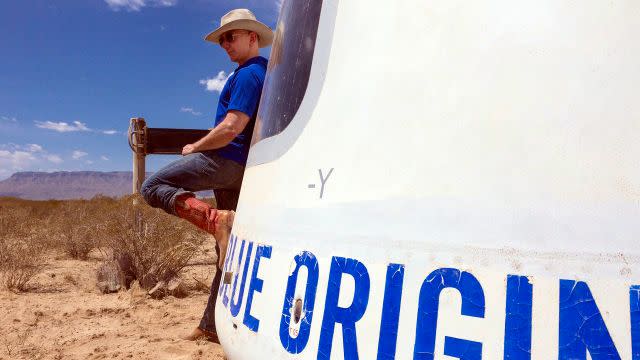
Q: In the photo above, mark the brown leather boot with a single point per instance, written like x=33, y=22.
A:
x=197, y=212
x=216, y=222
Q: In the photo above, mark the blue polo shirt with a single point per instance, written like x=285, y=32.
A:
x=242, y=93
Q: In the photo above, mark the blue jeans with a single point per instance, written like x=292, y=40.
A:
x=196, y=172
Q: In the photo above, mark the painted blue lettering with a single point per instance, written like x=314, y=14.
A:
x=255, y=285
x=582, y=327
x=296, y=344
x=390, y=312
x=428, y=304
x=462, y=349
x=235, y=305
x=228, y=261
x=634, y=301
x=345, y=316
x=517, y=326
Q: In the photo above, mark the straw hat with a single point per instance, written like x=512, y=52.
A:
x=242, y=19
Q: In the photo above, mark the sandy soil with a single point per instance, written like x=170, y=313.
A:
x=64, y=316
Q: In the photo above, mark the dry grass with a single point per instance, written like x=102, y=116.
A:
x=21, y=254
x=149, y=245
x=21, y=261
x=54, y=309
x=77, y=225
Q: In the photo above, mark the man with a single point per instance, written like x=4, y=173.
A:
x=217, y=160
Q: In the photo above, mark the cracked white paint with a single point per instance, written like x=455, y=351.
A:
x=505, y=143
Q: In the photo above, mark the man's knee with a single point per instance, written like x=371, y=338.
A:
x=147, y=188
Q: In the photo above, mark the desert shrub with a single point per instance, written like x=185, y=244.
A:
x=150, y=245
x=22, y=260
x=80, y=241
x=34, y=218
x=12, y=221
x=147, y=244
x=21, y=254
x=76, y=226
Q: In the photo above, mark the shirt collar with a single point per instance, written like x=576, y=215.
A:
x=253, y=60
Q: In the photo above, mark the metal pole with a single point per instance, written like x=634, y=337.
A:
x=137, y=134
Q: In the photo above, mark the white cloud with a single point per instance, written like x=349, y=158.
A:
x=53, y=158
x=8, y=119
x=34, y=148
x=137, y=5
x=24, y=157
x=129, y=5
x=77, y=154
x=190, y=111
x=104, y=158
x=76, y=126
x=89, y=162
x=62, y=126
x=16, y=159
x=278, y=4
x=217, y=83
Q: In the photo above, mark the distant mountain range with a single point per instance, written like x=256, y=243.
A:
x=64, y=185
x=67, y=185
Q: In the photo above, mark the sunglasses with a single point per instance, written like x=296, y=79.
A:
x=230, y=37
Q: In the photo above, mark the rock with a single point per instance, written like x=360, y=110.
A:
x=177, y=288
x=109, y=276
x=174, y=287
x=149, y=280
x=158, y=291
x=125, y=262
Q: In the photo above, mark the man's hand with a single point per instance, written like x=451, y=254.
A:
x=188, y=149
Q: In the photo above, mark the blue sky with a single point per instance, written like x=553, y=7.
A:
x=73, y=72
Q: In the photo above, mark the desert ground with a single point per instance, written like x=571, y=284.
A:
x=61, y=313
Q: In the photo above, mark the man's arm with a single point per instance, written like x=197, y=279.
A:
x=221, y=135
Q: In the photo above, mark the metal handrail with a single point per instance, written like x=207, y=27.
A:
x=137, y=135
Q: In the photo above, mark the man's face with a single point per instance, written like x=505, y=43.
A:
x=237, y=44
